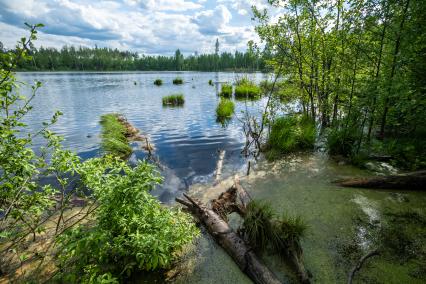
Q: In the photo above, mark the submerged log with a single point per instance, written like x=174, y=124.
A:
x=413, y=180
x=219, y=165
x=231, y=242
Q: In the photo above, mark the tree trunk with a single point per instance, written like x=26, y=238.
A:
x=409, y=181
x=231, y=242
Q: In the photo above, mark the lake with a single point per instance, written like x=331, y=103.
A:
x=187, y=139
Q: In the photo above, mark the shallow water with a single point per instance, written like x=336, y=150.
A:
x=342, y=222
x=187, y=139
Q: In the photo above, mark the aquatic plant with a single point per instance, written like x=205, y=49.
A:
x=225, y=109
x=290, y=133
x=178, y=81
x=113, y=136
x=158, y=82
x=174, y=100
x=286, y=234
x=257, y=224
x=226, y=90
x=210, y=82
x=247, y=91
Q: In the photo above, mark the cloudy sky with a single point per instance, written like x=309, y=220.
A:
x=146, y=26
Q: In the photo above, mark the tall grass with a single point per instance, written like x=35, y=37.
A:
x=246, y=89
x=113, y=136
x=174, y=100
x=291, y=133
x=225, y=109
x=158, y=82
x=226, y=91
x=178, y=81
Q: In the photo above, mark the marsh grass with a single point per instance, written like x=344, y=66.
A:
x=257, y=224
x=210, y=82
x=226, y=91
x=174, y=100
x=225, y=109
x=178, y=81
x=291, y=133
x=113, y=136
x=158, y=82
x=246, y=89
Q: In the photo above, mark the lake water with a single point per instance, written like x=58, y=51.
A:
x=187, y=139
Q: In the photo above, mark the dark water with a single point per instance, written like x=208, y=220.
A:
x=187, y=139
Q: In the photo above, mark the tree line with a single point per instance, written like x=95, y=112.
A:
x=70, y=58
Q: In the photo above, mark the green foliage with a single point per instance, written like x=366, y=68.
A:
x=342, y=141
x=158, y=82
x=177, y=81
x=257, y=224
x=291, y=133
x=174, y=100
x=132, y=230
x=287, y=233
x=226, y=91
x=210, y=82
x=225, y=109
x=247, y=91
x=114, y=139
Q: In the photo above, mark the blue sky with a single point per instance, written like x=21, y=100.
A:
x=145, y=26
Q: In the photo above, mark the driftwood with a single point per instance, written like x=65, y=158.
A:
x=413, y=180
x=358, y=266
x=219, y=165
x=231, y=242
x=236, y=199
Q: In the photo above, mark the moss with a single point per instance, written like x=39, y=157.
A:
x=178, y=81
x=113, y=135
x=226, y=91
x=158, y=82
x=174, y=100
x=225, y=109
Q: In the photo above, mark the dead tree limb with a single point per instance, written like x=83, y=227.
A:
x=358, y=266
x=412, y=180
x=231, y=242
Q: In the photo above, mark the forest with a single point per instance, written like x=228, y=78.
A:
x=107, y=59
x=300, y=160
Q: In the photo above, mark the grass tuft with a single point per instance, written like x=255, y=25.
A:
x=225, y=109
x=178, y=81
x=113, y=136
x=226, y=91
x=246, y=89
x=210, y=82
x=257, y=223
x=158, y=82
x=174, y=100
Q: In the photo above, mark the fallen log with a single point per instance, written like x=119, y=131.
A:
x=412, y=180
x=231, y=242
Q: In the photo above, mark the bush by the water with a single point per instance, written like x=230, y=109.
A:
x=226, y=90
x=113, y=136
x=174, y=100
x=290, y=133
x=225, y=109
x=158, y=82
x=177, y=81
x=246, y=89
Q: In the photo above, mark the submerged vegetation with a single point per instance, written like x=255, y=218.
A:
x=225, y=109
x=158, y=82
x=177, y=81
x=226, y=90
x=114, y=140
x=174, y=100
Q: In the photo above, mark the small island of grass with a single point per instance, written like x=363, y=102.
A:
x=226, y=91
x=174, y=100
x=225, y=109
x=158, y=82
x=177, y=81
x=246, y=89
x=114, y=140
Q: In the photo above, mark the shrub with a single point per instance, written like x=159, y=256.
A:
x=341, y=141
x=226, y=91
x=113, y=136
x=225, y=109
x=247, y=91
x=178, y=81
x=131, y=231
x=292, y=133
x=174, y=100
x=158, y=82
